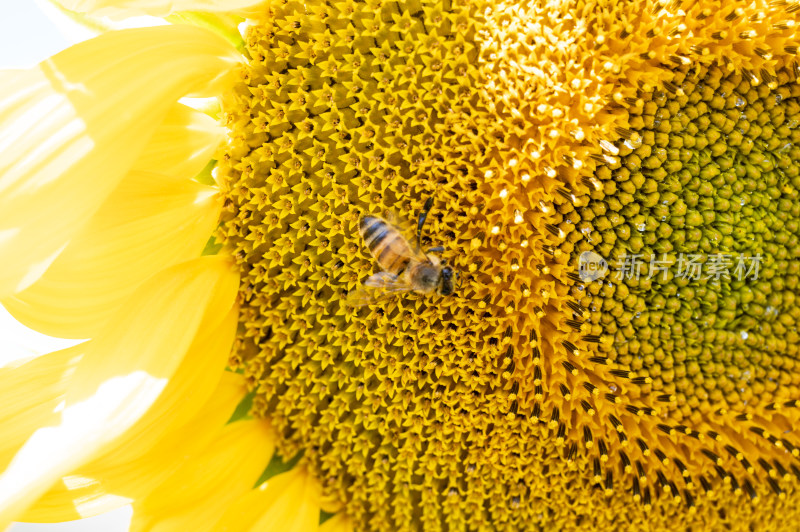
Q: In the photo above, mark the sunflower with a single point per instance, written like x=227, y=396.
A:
x=231, y=382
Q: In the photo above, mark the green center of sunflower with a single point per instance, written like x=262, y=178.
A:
x=699, y=219
x=529, y=396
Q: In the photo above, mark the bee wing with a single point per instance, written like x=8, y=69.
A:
x=380, y=285
x=409, y=232
x=380, y=280
x=360, y=297
x=402, y=224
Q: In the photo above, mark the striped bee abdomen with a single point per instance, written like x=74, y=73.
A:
x=386, y=244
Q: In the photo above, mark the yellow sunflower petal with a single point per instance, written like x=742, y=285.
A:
x=115, y=479
x=287, y=503
x=123, y=374
x=148, y=223
x=182, y=145
x=192, y=384
x=337, y=523
x=22, y=412
x=159, y=8
x=71, y=128
x=199, y=493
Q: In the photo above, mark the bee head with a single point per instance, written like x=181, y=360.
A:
x=446, y=287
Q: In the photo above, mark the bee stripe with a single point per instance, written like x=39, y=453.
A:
x=375, y=233
x=399, y=265
x=390, y=247
x=369, y=226
x=377, y=239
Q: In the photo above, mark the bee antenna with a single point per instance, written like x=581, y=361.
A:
x=423, y=215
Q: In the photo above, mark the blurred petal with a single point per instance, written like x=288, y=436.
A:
x=196, y=496
x=29, y=398
x=147, y=224
x=117, y=479
x=122, y=375
x=73, y=126
x=159, y=8
x=288, y=502
x=182, y=145
x=21, y=343
x=191, y=386
x=77, y=27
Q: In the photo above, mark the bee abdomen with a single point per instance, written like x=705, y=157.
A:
x=386, y=244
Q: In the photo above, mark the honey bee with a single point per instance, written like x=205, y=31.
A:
x=406, y=268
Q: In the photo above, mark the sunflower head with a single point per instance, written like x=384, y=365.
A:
x=539, y=140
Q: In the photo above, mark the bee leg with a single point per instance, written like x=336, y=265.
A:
x=423, y=215
x=437, y=249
